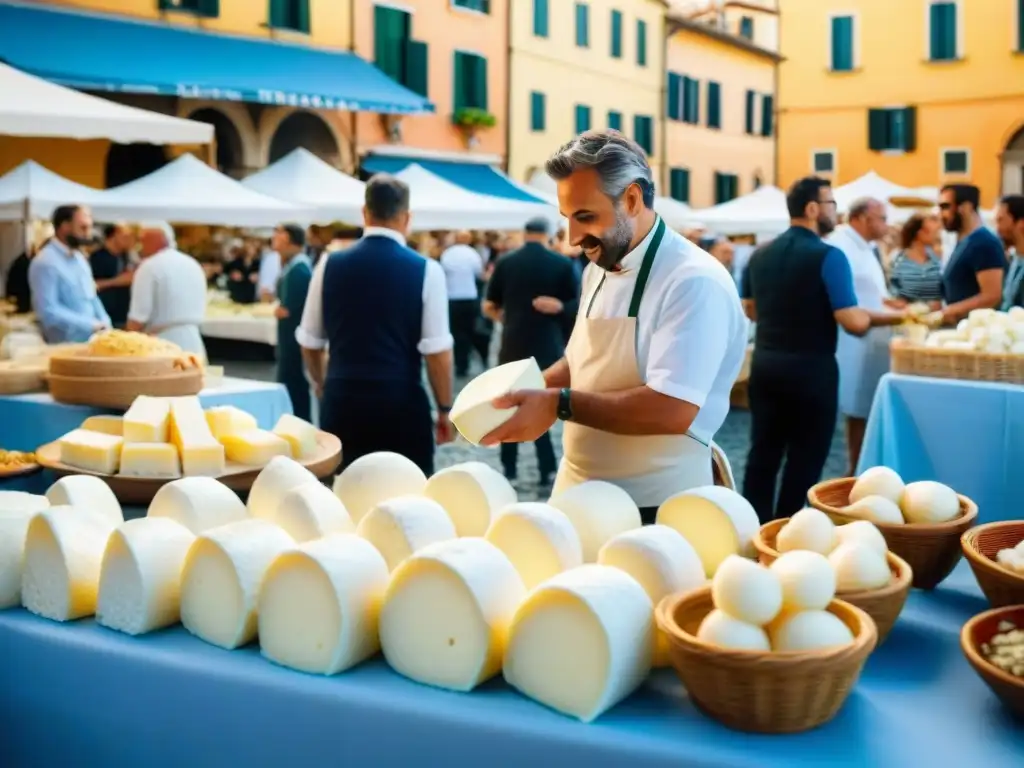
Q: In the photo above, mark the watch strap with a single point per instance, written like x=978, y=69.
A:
x=564, y=411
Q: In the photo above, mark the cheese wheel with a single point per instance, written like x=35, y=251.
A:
x=473, y=412
x=599, y=511
x=221, y=578
x=661, y=561
x=63, y=553
x=140, y=577
x=582, y=641
x=399, y=527
x=16, y=510
x=717, y=521
x=446, y=613
x=21, y=502
x=538, y=539
x=275, y=480
x=87, y=492
x=377, y=477
x=198, y=503
x=312, y=511
x=319, y=605
x=472, y=494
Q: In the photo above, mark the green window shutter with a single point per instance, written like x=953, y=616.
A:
x=538, y=118
x=301, y=13
x=751, y=100
x=643, y=133
x=726, y=187
x=582, y=118
x=842, y=43
x=616, y=35
x=415, y=75
x=390, y=30
x=747, y=27
x=540, y=18
x=679, y=184
x=641, y=42
x=459, y=101
x=878, y=130
x=478, y=92
x=714, y=104
x=582, y=25
x=209, y=8
x=278, y=14
x=1020, y=25
x=693, y=99
x=942, y=46
x=909, y=121
x=767, y=115
x=674, y=110
x=614, y=120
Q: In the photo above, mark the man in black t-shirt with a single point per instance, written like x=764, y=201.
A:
x=113, y=272
x=973, y=277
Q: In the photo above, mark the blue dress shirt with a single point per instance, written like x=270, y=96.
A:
x=64, y=294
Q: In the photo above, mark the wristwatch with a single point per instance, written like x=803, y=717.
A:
x=564, y=411
x=444, y=409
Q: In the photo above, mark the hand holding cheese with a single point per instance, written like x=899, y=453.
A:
x=538, y=539
x=198, y=503
x=312, y=511
x=472, y=494
x=717, y=521
x=599, y=512
x=809, y=529
x=86, y=492
x=377, y=477
x=401, y=526
x=16, y=510
x=473, y=412
x=275, y=480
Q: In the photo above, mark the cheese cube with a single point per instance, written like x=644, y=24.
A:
x=221, y=578
x=401, y=526
x=320, y=604
x=198, y=503
x=312, y=511
x=157, y=460
x=16, y=510
x=228, y=420
x=582, y=641
x=201, y=453
x=140, y=576
x=300, y=435
x=377, y=477
x=538, y=539
x=255, y=447
x=89, y=493
x=472, y=494
x=717, y=522
x=275, y=480
x=446, y=613
x=91, y=451
x=108, y=425
x=599, y=511
x=148, y=420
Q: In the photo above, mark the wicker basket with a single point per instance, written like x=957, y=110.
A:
x=979, y=630
x=916, y=360
x=758, y=691
x=932, y=550
x=883, y=604
x=980, y=545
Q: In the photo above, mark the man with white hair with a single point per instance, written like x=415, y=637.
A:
x=169, y=290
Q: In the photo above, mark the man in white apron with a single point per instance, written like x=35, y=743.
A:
x=658, y=342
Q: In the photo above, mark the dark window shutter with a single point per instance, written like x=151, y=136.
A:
x=679, y=184
x=415, y=76
x=582, y=25
x=278, y=13
x=209, y=8
x=842, y=43
x=582, y=118
x=691, y=101
x=301, y=12
x=459, y=85
x=943, y=31
x=615, y=120
x=675, y=96
x=390, y=30
x=540, y=18
x=909, y=143
x=747, y=27
x=479, y=94
x=616, y=46
x=749, y=117
x=878, y=130
x=537, y=110
x=1020, y=25
x=767, y=115
x=714, y=105
x=641, y=42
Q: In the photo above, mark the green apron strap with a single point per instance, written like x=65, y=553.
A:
x=645, y=268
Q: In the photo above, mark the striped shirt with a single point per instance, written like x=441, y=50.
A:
x=914, y=281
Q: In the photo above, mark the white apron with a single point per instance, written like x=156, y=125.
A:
x=602, y=357
x=863, y=360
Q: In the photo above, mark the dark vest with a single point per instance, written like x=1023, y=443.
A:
x=373, y=315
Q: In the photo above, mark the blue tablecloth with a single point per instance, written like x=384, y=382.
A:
x=78, y=694
x=966, y=434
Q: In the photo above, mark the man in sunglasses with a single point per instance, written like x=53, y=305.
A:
x=973, y=276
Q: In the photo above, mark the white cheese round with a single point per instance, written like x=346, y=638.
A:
x=717, y=521
x=19, y=502
x=807, y=578
x=538, y=539
x=746, y=590
x=721, y=629
x=13, y=530
x=198, y=503
x=878, y=481
x=859, y=567
x=447, y=611
x=279, y=476
x=312, y=511
x=377, y=477
x=473, y=413
x=86, y=492
x=400, y=526
x=930, y=502
x=863, y=532
x=599, y=511
x=472, y=494
x=876, y=509
x=809, y=529
x=319, y=605
x=810, y=631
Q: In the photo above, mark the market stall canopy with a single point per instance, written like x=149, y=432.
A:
x=677, y=215
x=188, y=191
x=762, y=212
x=30, y=106
x=108, y=53
x=303, y=179
x=471, y=174
x=31, y=191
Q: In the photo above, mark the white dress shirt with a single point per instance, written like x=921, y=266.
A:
x=270, y=273
x=435, y=335
x=169, y=298
x=462, y=265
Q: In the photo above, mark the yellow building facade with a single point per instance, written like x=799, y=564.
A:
x=924, y=92
x=576, y=66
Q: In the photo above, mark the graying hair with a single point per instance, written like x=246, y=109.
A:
x=163, y=227
x=860, y=206
x=617, y=160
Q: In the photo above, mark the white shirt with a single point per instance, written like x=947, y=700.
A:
x=435, y=336
x=462, y=266
x=868, y=276
x=169, y=296
x=270, y=273
x=691, y=330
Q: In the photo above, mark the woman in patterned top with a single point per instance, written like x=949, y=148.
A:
x=916, y=273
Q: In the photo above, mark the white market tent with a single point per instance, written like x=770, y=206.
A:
x=303, y=179
x=762, y=213
x=32, y=191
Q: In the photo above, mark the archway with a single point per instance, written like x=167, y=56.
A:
x=230, y=160
x=1013, y=165
x=306, y=130
x=128, y=162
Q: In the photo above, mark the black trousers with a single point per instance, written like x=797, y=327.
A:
x=291, y=373
x=648, y=515
x=793, y=404
x=462, y=315
x=545, y=457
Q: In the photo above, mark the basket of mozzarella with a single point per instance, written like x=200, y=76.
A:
x=922, y=522
x=995, y=552
x=868, y=575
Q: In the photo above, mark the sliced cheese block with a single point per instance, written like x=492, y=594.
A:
x=156, y=460
x=320, y=604
x=148, y=420
x=472, y=494
x=599, y=511
x=446, y=613
x=140, y=578
x=473, y=413
x=63, y=554
x=377, y=477
x=717, y=521
x=399, y=527
x=91, y=451
x=255, y=447
x=661, y=561
x=225, y=420
x=582, y=642
x=201, y=454
x=108, y=425
x=312, y=511
x=298, y=433
x=538, y=539
x=16, y=510
x=89, y=493
x=198, y=503
x=275, y=480
x=221, y=579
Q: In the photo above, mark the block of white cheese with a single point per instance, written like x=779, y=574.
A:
x=16, y=510
x=472, y=493
x=63, y=554
x=377, y=477
x=148, y=420
x=661, y=561
x=201, y=453
x=152, y=460
x=298, y=433
x=538, y=539
x=254, y=448
x=198, y=503
x=320, y=604
x=717, y=521
x=140, y=577
x=89, y=493
x=582, y=641
x=91, y=451
x=312, y=511
x=22, y=502
x=599, y=511
x=446, y=613
x=399, y=527
x=473, y=413
x=108, y=425
x=275, y=480
x=225, y=420
x=221, y=579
